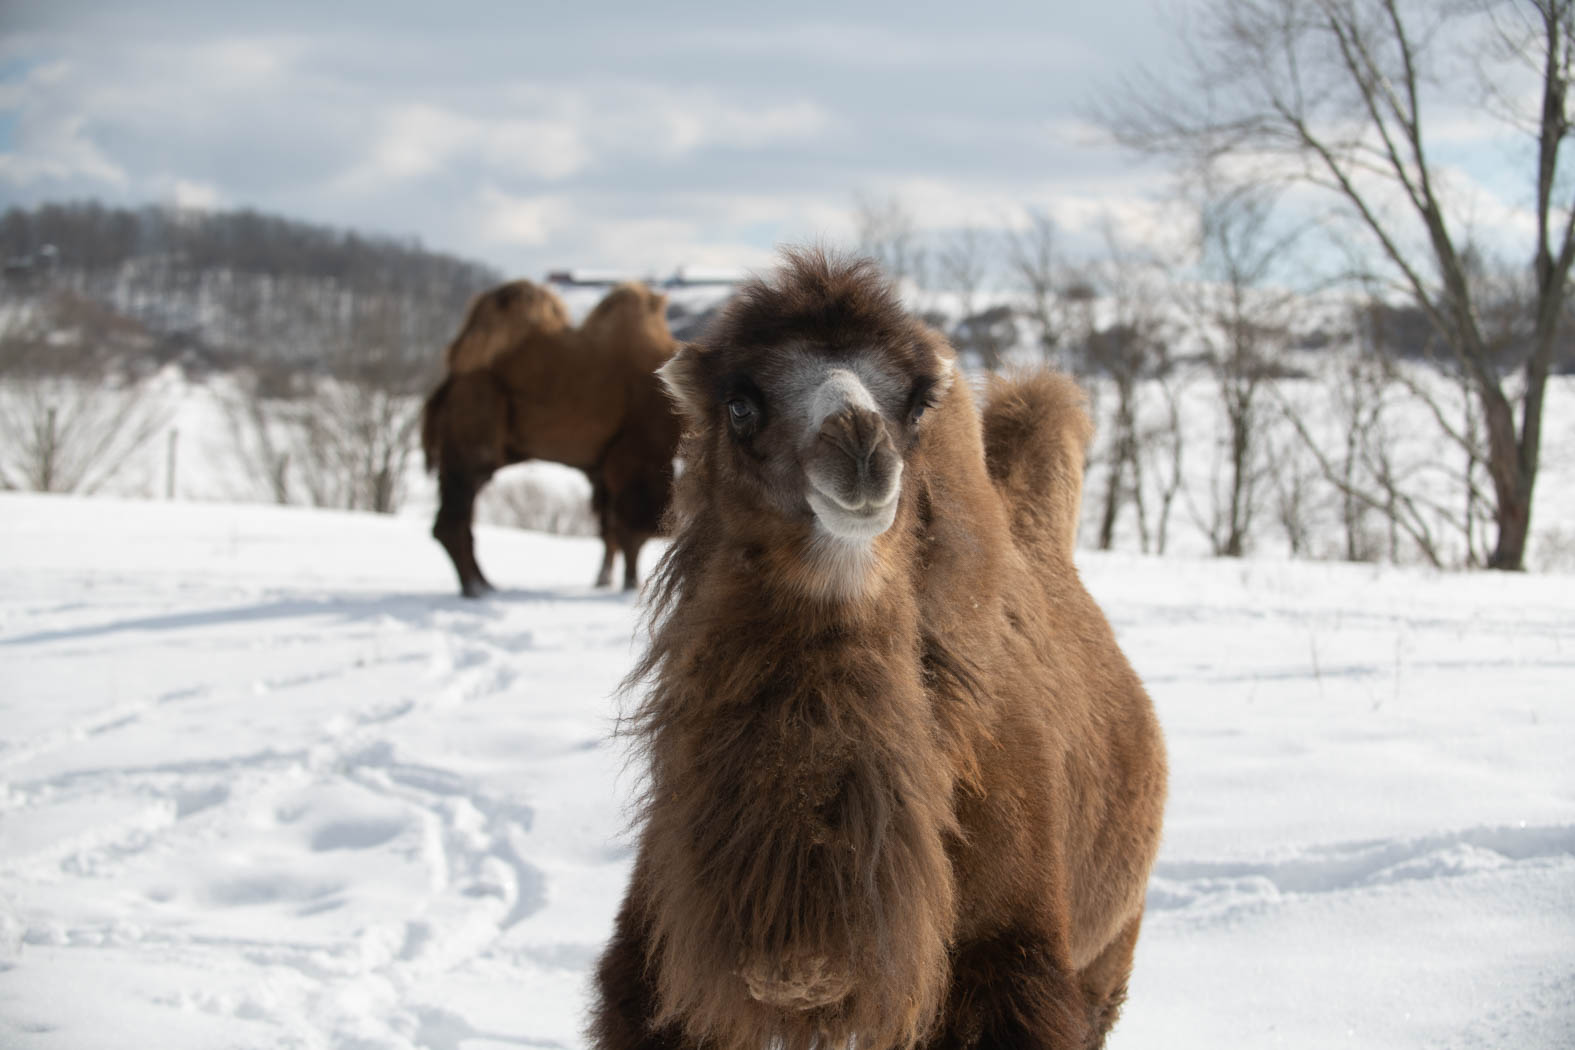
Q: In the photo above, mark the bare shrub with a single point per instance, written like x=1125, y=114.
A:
x=541, y=497
x=69, y=434
x=259, y=430
x=72, y=413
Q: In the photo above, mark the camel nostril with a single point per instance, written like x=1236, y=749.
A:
x=858, y=434
x=855, y=462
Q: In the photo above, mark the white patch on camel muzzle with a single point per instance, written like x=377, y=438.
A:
x=854, y=498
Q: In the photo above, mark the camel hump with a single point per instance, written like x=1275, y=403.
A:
x=630, y=321
x=1036, y=431
x=502, y=318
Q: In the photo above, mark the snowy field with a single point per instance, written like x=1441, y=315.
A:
x=266, y=782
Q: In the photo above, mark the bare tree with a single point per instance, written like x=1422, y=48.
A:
x=1360, y=396
x=1392, y=485
x=1163, y=441
x=964, y=267
x=885, y=230
x=69, y=434
x=259, y=428
x=1115, y=306
x=71, y=414
x=1033, y=259
x=1292, y=486
x=1241, y=322
x=357, y=431
x=1334, y=94
x=355, y=444
x=1445, y=393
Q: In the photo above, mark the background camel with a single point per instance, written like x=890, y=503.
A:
x=523, y=384
x=904, y=790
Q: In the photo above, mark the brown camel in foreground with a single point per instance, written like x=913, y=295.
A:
x=904, y=789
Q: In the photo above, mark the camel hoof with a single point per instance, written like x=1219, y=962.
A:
x=476, y=589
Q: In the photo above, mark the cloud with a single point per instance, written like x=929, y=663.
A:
x=623, y=118
x=551, y=135
x=57, y=151
x=889, y=44
x=743, y=127
x=1080, y=206
x=607, y=230
x=795, y=216
x=198, y=196
x=418, y=139
x=50, y=142
x=502, y=218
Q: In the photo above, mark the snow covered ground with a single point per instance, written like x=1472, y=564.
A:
x=266, y=782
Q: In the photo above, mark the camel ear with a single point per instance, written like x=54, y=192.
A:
x=684, y=377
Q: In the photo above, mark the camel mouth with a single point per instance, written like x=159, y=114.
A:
x=857, y=523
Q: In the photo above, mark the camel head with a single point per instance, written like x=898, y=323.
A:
x=805, y=399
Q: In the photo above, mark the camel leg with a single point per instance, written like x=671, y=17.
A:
x=610, y=551
x=635, y=517
x=601, y=506
x=625, y=994
x=456, y=505
x=1104, y=981
x=631, y=542
x=1012, y=991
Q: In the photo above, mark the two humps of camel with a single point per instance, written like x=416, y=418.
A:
x=523, y=383
x=904, y=788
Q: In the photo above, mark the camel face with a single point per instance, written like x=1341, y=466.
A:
x=814, y=437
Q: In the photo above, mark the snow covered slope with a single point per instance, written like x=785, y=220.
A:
x=266, y=782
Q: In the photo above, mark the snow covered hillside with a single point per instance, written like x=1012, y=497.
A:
x=265, y=781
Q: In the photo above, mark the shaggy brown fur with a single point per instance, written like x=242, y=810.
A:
x=523, y=384
x=905, y=793
x=499, y=318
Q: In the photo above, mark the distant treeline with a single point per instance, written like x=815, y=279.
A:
x=221, y=289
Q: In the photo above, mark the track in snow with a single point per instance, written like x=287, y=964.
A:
x=265, y=782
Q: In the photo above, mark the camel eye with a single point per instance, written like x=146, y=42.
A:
x=741, y=411
x=924, y=397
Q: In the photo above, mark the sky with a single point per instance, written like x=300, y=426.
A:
x=539, y=136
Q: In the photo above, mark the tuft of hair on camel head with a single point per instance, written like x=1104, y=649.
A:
x=807, y=393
